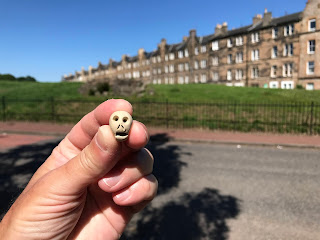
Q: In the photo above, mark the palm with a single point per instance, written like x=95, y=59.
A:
x=101, y=218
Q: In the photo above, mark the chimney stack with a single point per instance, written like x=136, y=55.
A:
x=267, y=17
x=256, y=19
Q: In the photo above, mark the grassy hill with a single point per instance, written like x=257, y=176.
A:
x=178, y=93
x=210, y=92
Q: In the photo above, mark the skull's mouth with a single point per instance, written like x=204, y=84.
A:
x=121, y=135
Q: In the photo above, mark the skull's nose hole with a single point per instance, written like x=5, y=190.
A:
x=115, y=118
x=125, y=119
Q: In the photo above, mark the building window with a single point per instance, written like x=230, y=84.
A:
x=288, y=49
x=254, y=72
x=154, y=60
x=255, y=55
x=171, y=68
x=229, y=75
x=196, y=78
x=129, y=65
x=136, y=74
x=203, y=49
x=158, y=59
x=287, y=70
x=215, y=61
x=310, y=67
x=215, y=76
x=255, y=37
x=229, y=58
x=159, y=70
x=239, y=57
x=135, y=64
x=312, y=25
x=180, y=54
x=186, y=53
x=171, y=56
x=273, y=73
x=311, y=46
x=186, y=79
x=229, y=43
x=215, y=46
x=186, y=66
x=239, y=41
x=289, y=30
x=154, y=71
x=310, y=86
x=274, y=84
x=203, y=78
x=166, y=69
x=196, y=51
x=166, y=80
x=148, y=62
x=166, y=57
x=159, y=81
x=203, y=63
x=180, y=67
x=239, y=74
x=287, y=84
x=275, y=32
x=274, y=53
x=180, y=80
x=196, y=65
x=171, y=80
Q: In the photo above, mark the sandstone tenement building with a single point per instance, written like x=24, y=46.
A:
x=272, y=52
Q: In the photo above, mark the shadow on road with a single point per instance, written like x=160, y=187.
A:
x=17, y=166
x=193, y=216
x=200, y=215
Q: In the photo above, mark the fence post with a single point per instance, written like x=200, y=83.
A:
x=311, y=118
x=53, y=116
x=4, y=109
x=167, y=113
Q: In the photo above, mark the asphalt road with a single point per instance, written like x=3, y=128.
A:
x=235, y=192
x=209, y=191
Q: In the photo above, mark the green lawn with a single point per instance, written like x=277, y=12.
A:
x=178, y=93
x=213, y=93
x=38, y=90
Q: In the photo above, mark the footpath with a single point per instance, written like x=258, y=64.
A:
x=20, y=133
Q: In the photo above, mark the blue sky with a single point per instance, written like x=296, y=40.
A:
x=46, y=39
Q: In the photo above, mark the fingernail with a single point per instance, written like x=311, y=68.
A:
x=112, y=181
x=124, y=195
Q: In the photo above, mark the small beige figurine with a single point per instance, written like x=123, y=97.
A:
x=120, y=123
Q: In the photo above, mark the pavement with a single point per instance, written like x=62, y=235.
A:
x=22, y=133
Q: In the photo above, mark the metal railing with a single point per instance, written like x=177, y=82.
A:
x=297, y=117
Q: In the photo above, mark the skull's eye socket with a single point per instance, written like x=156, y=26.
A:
x=125, y=119
x=115, y=118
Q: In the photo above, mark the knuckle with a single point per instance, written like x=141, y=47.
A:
x=87, y=161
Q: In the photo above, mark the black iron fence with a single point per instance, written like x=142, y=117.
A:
x=264, y=117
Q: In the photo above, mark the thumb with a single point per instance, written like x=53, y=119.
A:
x=92, y=163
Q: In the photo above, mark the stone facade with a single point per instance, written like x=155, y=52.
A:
x=271, y=52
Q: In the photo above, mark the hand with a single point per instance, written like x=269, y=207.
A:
x=89, y=187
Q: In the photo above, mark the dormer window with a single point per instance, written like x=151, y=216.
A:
x=203, y=49
x=288, y=30
x=255, y=37
x=275, y=32
x=312, y=25
x=215, y=45
x=196, y=51
x=186, y=53
x=239, y=41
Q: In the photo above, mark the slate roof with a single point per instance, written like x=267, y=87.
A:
x=295, y=17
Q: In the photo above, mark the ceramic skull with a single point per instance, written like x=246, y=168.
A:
x=120, y=123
